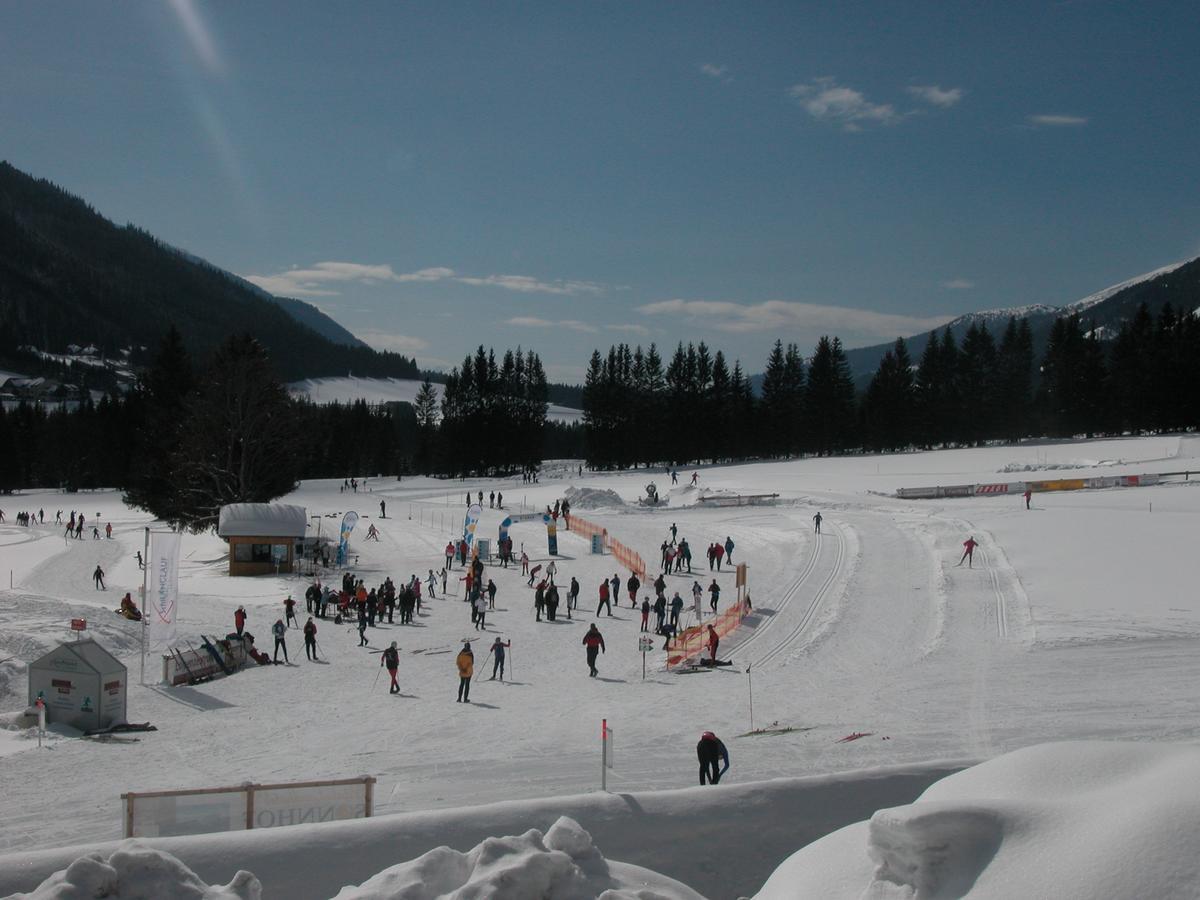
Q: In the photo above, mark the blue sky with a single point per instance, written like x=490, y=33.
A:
x=568, y=175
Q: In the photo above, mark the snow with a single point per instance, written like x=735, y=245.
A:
x=390, y=390
x=593, y=498
x=1076, y=621
x=1100, y=296
x=1082, y=819
x=262, y=520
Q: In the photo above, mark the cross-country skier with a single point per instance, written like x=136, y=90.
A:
x=432, y=583
x=1028, y=495
x=714, y=591
x=714, y=641
x=674, y=527
x=595, y=644
x=491, y=592
x=533, y=573
x=615, y=588
x=969, y=553
x=280, y=630
x=98, y=577
x=524, y=563
x=709, y=750
x=572, y=596
x=817, y=523
x=604, y=601
x=310, y=639
x=390, y=659
x=382, y=509
x=481, y=607
x=465, y=661
x=497, y=651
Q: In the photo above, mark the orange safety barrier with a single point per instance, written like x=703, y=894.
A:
x=624, y=555
x=693, y=642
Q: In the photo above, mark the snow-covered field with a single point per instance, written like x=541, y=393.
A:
x=389, y=390
x=1076, y=622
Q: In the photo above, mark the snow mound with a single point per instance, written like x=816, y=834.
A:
x=1084, y=819
x=1068, y=464
x=563, y=864
x=593, y=498
x=137, y=872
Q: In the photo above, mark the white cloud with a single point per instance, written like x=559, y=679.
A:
x=936, y=95
x=397, y=343
x=1058, y=121
x=958, y=284
x=825, y=99
x=721, y=73
x=320, y=280
x=535, y=322
x=776, y=315
x=632, y=329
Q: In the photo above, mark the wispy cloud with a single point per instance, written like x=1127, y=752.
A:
x=826, y=100
x=535, y=322
x=631, y=329
x=936, y=95
x=398, y=343
x=776, y=315
x=1058, y=121
x=958, y=284
x=720, y=73
x=322, y=280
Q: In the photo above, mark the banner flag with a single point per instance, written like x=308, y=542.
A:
x=504, y=526
x=348, y=523
x=474, y=511
x=551, y=534
x=163, y=602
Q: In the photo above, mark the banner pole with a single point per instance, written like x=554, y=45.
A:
x=145, y=587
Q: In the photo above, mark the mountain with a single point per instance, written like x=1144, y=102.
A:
x=1104, y=311
x=70, y=276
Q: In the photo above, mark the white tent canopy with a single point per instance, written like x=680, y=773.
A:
x=262, y=520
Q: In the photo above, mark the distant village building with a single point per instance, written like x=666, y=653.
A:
x=263, y=537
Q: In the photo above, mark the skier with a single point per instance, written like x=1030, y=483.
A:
x=676, y=609
x=660, y=612
x=817, y=523
x=140, y=562
x=499, y=501
x=279, y=630
x=674, y=531
x=466, y=668
x=695, y=478
x=497, y=652
x=1028, y=496
x=239, y=620
x=108, y=531
x=310, y=639
x=729, y=549
x=714, y=641
x=431, y=583
x=633, y=584
x=674, y=476
x=645, y=613
x=449, y=560
x=685, y=551
x=604, y=601
x=714, y=590
x=708, y=751
x=480, y=610
x=289, y=607
x=551, y=570
x=572, y=596
x=969, y=553
x=390, y=659
x=382, y=509
x=595, y=644
x=533, y=573
x=615, y=592
x=98, y=577
x=524, y=563
x=372, y=533
x=362, y=624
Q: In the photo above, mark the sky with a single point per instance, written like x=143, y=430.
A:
x=564, y=176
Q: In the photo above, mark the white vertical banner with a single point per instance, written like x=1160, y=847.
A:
x=163, y=570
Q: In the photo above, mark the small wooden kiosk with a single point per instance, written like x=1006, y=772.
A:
x=262, y=536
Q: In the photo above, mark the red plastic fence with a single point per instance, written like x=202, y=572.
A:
x=692, y=642
x=624, y=555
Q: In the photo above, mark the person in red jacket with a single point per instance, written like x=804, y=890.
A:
x=969, y=553
x=310, y=639
x=713, y=642
x=604, y=599
x=595, y=644
x=449, y=554
x=718, y=555
x=239, y=620
x=1028, y=496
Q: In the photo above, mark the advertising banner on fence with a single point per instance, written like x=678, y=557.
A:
x=504, y=526
x=551, y=534
x=163, y=601
x=348, y=522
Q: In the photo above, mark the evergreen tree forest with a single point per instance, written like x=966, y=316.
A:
x=988, y=388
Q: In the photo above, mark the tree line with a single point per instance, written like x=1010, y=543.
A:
x=959, y=393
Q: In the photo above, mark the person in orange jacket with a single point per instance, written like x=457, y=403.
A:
x=466, y=668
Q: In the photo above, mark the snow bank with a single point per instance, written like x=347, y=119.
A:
x=1080, y=819
x=593, y=498
x=137, y=872
x=564, y=864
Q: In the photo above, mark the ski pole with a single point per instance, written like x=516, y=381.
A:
x=376, y=681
